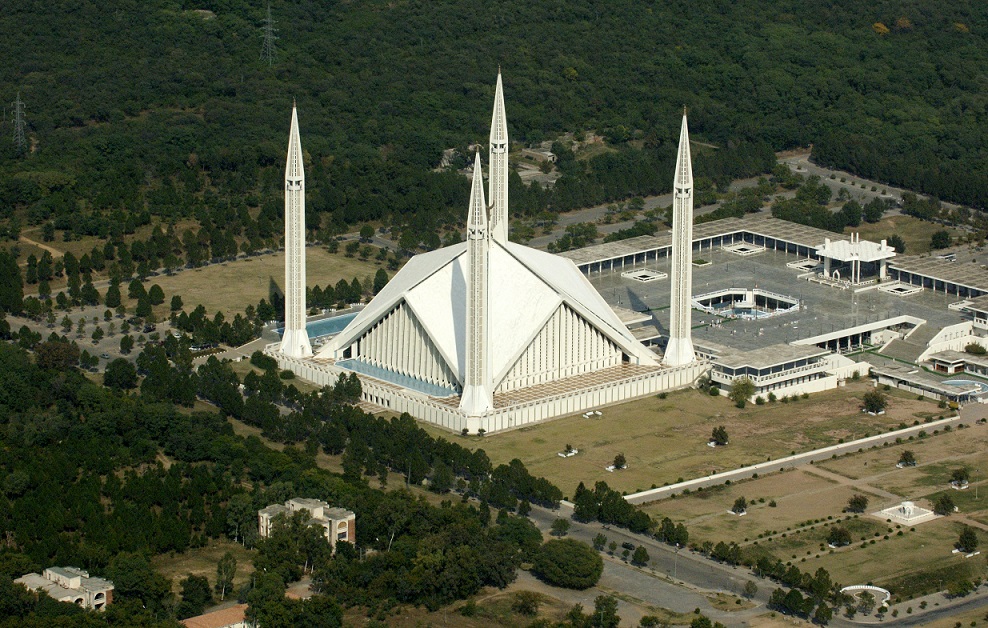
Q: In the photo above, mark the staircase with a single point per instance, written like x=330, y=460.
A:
x=910, y=348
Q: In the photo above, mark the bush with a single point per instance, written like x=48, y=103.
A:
x=263, y=362
x=568, y=563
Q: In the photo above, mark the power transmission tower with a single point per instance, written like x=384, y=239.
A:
x=19, y=138
x=268, y=51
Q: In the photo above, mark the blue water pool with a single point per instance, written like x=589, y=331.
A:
x=326, y=326
x=398, y=379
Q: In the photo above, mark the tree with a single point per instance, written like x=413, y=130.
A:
x=875, y=401
x=568, y=563
x=740, y=506
x=156, y=295
x=126, y=343
x=750, y=589
x=599, y=541
x=380, y=280
x=176, y=304
x=195, y=595
x=56, y=355
x=943, y=505
x=940, y=240
x=11, y=285
x=823, y=615
x=897, y=243
x=366, y=233
x=640, y=556
x=112, y=299
x=226, y=570
x=741, y=390
x=907, y=459
x=857, y=503
x=975, y=349
x=143, y=307
x=968, y=541
x=526, y=603
x=560, y=527
x=135, y=289
x=960, y=477
x=719, y=436
x=619, y=461
x=120, y=374
x=839, y=536
x=605, y=612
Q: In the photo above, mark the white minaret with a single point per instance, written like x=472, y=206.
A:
x=680, y=348
x=295, y=341
x=476, y=399
x=498, y=161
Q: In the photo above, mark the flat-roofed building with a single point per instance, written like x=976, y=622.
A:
x=339, y=524
x=782, y=369
x=72, y=585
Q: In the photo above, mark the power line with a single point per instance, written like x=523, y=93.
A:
x=20, y=139
x=268, y=51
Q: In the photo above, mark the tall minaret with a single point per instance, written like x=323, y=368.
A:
x=680, y=348
x=477, y=398
x=498, y=160
x=295, y=341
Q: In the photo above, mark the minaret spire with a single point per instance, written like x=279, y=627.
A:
x=498, y=160
x=295, y=340
x=477, y=398
x=679, y=351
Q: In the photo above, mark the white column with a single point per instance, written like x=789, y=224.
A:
x=679, y=351
x=295, y=340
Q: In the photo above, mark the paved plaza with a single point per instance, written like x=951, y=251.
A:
x=825, y=309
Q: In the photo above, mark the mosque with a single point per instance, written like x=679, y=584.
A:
x=488, y=335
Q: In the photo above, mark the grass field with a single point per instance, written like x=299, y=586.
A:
x=202, y=562
x=810, y=499
x=231, y=286
x=914, y=232
x=665, y=439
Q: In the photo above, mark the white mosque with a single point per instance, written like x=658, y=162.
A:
x=488, y=335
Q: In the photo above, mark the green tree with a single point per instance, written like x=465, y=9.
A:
x=380, y=280
x=875, y=401
x=176, y=304
x=640, y=556
x=897, y=243
x=605, y=612
x=960, y=476
x=620, y=461
x=599, y=542
x=560, y=527
x=526, y=603
x=195, y=596
x=156, y=295
x=857, y=503
x=56, y=355
x=943, y=505
x=112, y=299
x=940, y=240
x=126, y=343
x=366, y=233
x=143, y=307
x=750, y=589
x=968, y=541
x=226, y=570
x=120, y=374
x=568, y=563
x=740, y=506
x=719, y=436
x=839, y=536
x=741, y=390
x=11, y=285
x=907, y=459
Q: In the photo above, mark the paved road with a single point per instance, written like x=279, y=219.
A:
x=677, y=580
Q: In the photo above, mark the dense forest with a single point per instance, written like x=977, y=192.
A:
x=165, y=107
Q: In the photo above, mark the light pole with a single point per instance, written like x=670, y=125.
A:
x=675, y=564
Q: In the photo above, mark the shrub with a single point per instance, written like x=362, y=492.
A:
x=568, y=563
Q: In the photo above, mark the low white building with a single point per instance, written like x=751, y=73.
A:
x=339, y=524
x=72, y=585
